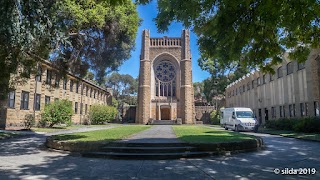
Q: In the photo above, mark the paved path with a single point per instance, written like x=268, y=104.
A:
x=156, y=134
x=81, y=129
x=24, y=158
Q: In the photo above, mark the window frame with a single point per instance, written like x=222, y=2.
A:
x=57, y=80
x=49, y=77
x=258, y=81
x=24, y=105
x=10, y=100
x=47, y=100
x=65, y=83
x=289, y=68
x=273, y=112
x=279, y=72
x=71, y=85
x=81, y=107
x=271, y=77
x=75, y=107
x=302, y=110
x=39, y=74
x=301, y=65
x=316, y=108
x=77, y=87
x=37, y=102
x=264, y=79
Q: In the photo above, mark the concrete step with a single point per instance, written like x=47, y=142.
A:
x=158, y=156
x=149, y=149
x=163, y=122
x=137, y=144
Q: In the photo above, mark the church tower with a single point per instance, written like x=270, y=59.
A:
x=165, y=79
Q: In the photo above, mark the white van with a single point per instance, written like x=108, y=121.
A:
x=238, y=119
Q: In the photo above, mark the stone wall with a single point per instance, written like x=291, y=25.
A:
x=203, y=113
x=177, y=51
x=293, y=93
x=129, y=114
x=14, y=116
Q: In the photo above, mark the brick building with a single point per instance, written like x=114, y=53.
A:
x=47, y=86
x=165, y=79
x=293, y=91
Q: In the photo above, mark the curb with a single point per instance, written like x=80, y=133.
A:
x=213, y=148
x=290, y=137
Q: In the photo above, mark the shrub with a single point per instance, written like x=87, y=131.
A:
x=215, y=117
x=29, y=121
x=57, y=112
x=99, y=114
x=309, y=124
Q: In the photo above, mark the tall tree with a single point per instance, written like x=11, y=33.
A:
x=198, y=91
x=77, y=34
x=249, y=32
x=124, y=87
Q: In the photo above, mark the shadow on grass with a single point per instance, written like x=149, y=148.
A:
x=69, y=137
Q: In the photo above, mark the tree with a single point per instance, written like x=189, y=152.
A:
x=125, y=87
x=217, y=83
x=73, y=34
x=252, y=33
x=198, y=92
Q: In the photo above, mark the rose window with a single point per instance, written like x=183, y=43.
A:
x=165, y=71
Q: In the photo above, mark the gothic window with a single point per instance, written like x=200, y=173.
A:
x=165, y=79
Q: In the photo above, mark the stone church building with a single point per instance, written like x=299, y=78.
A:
x=165, y=80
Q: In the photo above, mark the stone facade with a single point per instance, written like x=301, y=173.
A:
x=293, y=91
x=165, y=79
x=203, y=113
x=48, y=87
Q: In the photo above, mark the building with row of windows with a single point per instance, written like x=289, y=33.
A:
x=293, y=91
x=46, y=86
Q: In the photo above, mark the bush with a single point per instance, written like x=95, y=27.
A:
x=215, y=117
x=57, y=112
x=29, y=121
x=309, y=124
x=99, y=114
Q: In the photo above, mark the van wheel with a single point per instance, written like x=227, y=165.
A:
x=237, y=128
x=225, y=127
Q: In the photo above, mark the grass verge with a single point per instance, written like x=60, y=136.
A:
x=112, y=134
x=203, y=134
x=5, y=135
x=292, y=134
x=62, y=128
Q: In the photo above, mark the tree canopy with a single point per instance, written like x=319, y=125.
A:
x=124, y=86
x=73, y=34
x=252, y=33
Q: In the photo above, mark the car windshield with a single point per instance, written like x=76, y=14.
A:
x=244, y=114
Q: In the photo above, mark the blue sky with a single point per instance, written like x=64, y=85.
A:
x=147, y=13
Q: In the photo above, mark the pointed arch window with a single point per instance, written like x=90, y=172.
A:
x=165, y=75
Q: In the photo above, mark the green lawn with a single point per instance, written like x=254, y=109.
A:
x=112, y=134
x=5, y=135
x=203, y=134
x=62, y=128
x=284, y=133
